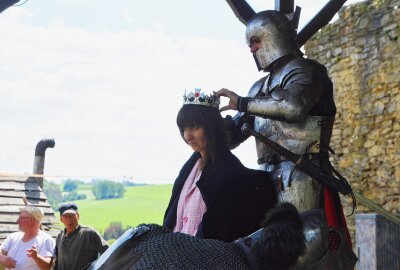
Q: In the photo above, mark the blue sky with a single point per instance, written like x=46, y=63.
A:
x=105, y=80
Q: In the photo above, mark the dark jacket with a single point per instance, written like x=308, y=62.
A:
x=77, y=250
x=236, y=198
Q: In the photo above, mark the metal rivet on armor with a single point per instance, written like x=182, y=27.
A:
x=309, y=156
x=315, y=184
x=282, y=158
x=279, y=183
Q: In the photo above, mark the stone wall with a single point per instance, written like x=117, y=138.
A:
x=361, y=51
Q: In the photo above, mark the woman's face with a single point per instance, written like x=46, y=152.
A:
x=195, y=137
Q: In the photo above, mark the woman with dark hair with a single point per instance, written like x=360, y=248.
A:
x=214, y=195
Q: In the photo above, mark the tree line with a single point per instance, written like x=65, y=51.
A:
x=68, y=190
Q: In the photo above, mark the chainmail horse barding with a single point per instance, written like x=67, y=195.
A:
x=276, y=246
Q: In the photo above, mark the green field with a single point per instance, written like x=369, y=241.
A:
x=140, y=204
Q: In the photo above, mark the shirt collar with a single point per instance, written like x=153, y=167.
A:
x=77, y=229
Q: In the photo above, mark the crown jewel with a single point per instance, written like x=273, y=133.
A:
x=198, y=97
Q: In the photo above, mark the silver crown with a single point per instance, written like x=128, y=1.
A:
x=198, y=97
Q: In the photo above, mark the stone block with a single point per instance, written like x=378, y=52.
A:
x=393, y=206
x=369, y=143
x=386, y=19
x=397, y=143
x=394, y=3
x=346, y=162
x=363, y=22
x=386, y=131
x=384, y=174
x=390, y=26
x=364, y=130
x=337, y=51
x=383, y=40
x=348, y=131
x=375, y=151
x=378, y=108
x=387, y=123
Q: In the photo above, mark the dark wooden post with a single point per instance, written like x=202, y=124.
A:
x=285, y=6
x=4, y=4
x=377, y=242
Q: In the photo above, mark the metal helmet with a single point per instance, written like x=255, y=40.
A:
x=276, y=33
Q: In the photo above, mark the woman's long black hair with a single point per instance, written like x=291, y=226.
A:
x=211, y=121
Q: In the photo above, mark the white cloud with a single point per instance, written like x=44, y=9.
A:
x=85, y=2
x=126, y=14
x=109, y=99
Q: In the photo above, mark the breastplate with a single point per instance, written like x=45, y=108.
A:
x=311, y=135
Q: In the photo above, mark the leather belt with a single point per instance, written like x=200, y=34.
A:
x=275, y=159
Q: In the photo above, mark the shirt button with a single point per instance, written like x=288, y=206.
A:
x=185, y=219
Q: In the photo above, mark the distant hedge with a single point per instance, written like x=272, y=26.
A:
x=106, y=189
x=73, y=196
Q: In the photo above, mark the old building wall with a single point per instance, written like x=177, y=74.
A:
x=361, y=51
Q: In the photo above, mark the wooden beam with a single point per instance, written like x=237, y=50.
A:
x=285, y=6
x=320, y=20
x=30, y=195
x=14, y=209
x=22, y=186
x=376, y=208
x=17, y=201
x=13, y=178
x=242, y=10
x=6, y=4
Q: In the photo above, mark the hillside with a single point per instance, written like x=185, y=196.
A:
x=141, y=204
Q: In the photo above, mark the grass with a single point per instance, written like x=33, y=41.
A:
x=140, y=204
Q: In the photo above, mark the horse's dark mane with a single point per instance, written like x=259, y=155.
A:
x=282, y=240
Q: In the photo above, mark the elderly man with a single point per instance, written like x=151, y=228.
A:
x=77, y=245
x=31, y=248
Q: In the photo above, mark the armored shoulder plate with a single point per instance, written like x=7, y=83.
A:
x=257, y=87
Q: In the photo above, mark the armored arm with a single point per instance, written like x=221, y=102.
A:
x=288, y=105
x=300, y=88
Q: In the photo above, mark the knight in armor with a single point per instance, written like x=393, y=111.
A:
x=293, y=106
x=274, y=247
x=214, y=195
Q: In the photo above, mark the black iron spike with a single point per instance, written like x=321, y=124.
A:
x=4, y=4
x=241, y=9
x=322, y=18
x=284, y=6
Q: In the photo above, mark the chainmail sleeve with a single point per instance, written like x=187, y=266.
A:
x=159, y=249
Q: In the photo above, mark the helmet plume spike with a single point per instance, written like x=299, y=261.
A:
x=242, y=10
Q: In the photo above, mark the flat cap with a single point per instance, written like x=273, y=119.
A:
x=68, y=208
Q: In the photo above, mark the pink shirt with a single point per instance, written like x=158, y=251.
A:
x=191, y=206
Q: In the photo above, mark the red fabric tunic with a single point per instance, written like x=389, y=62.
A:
x=334, y=213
